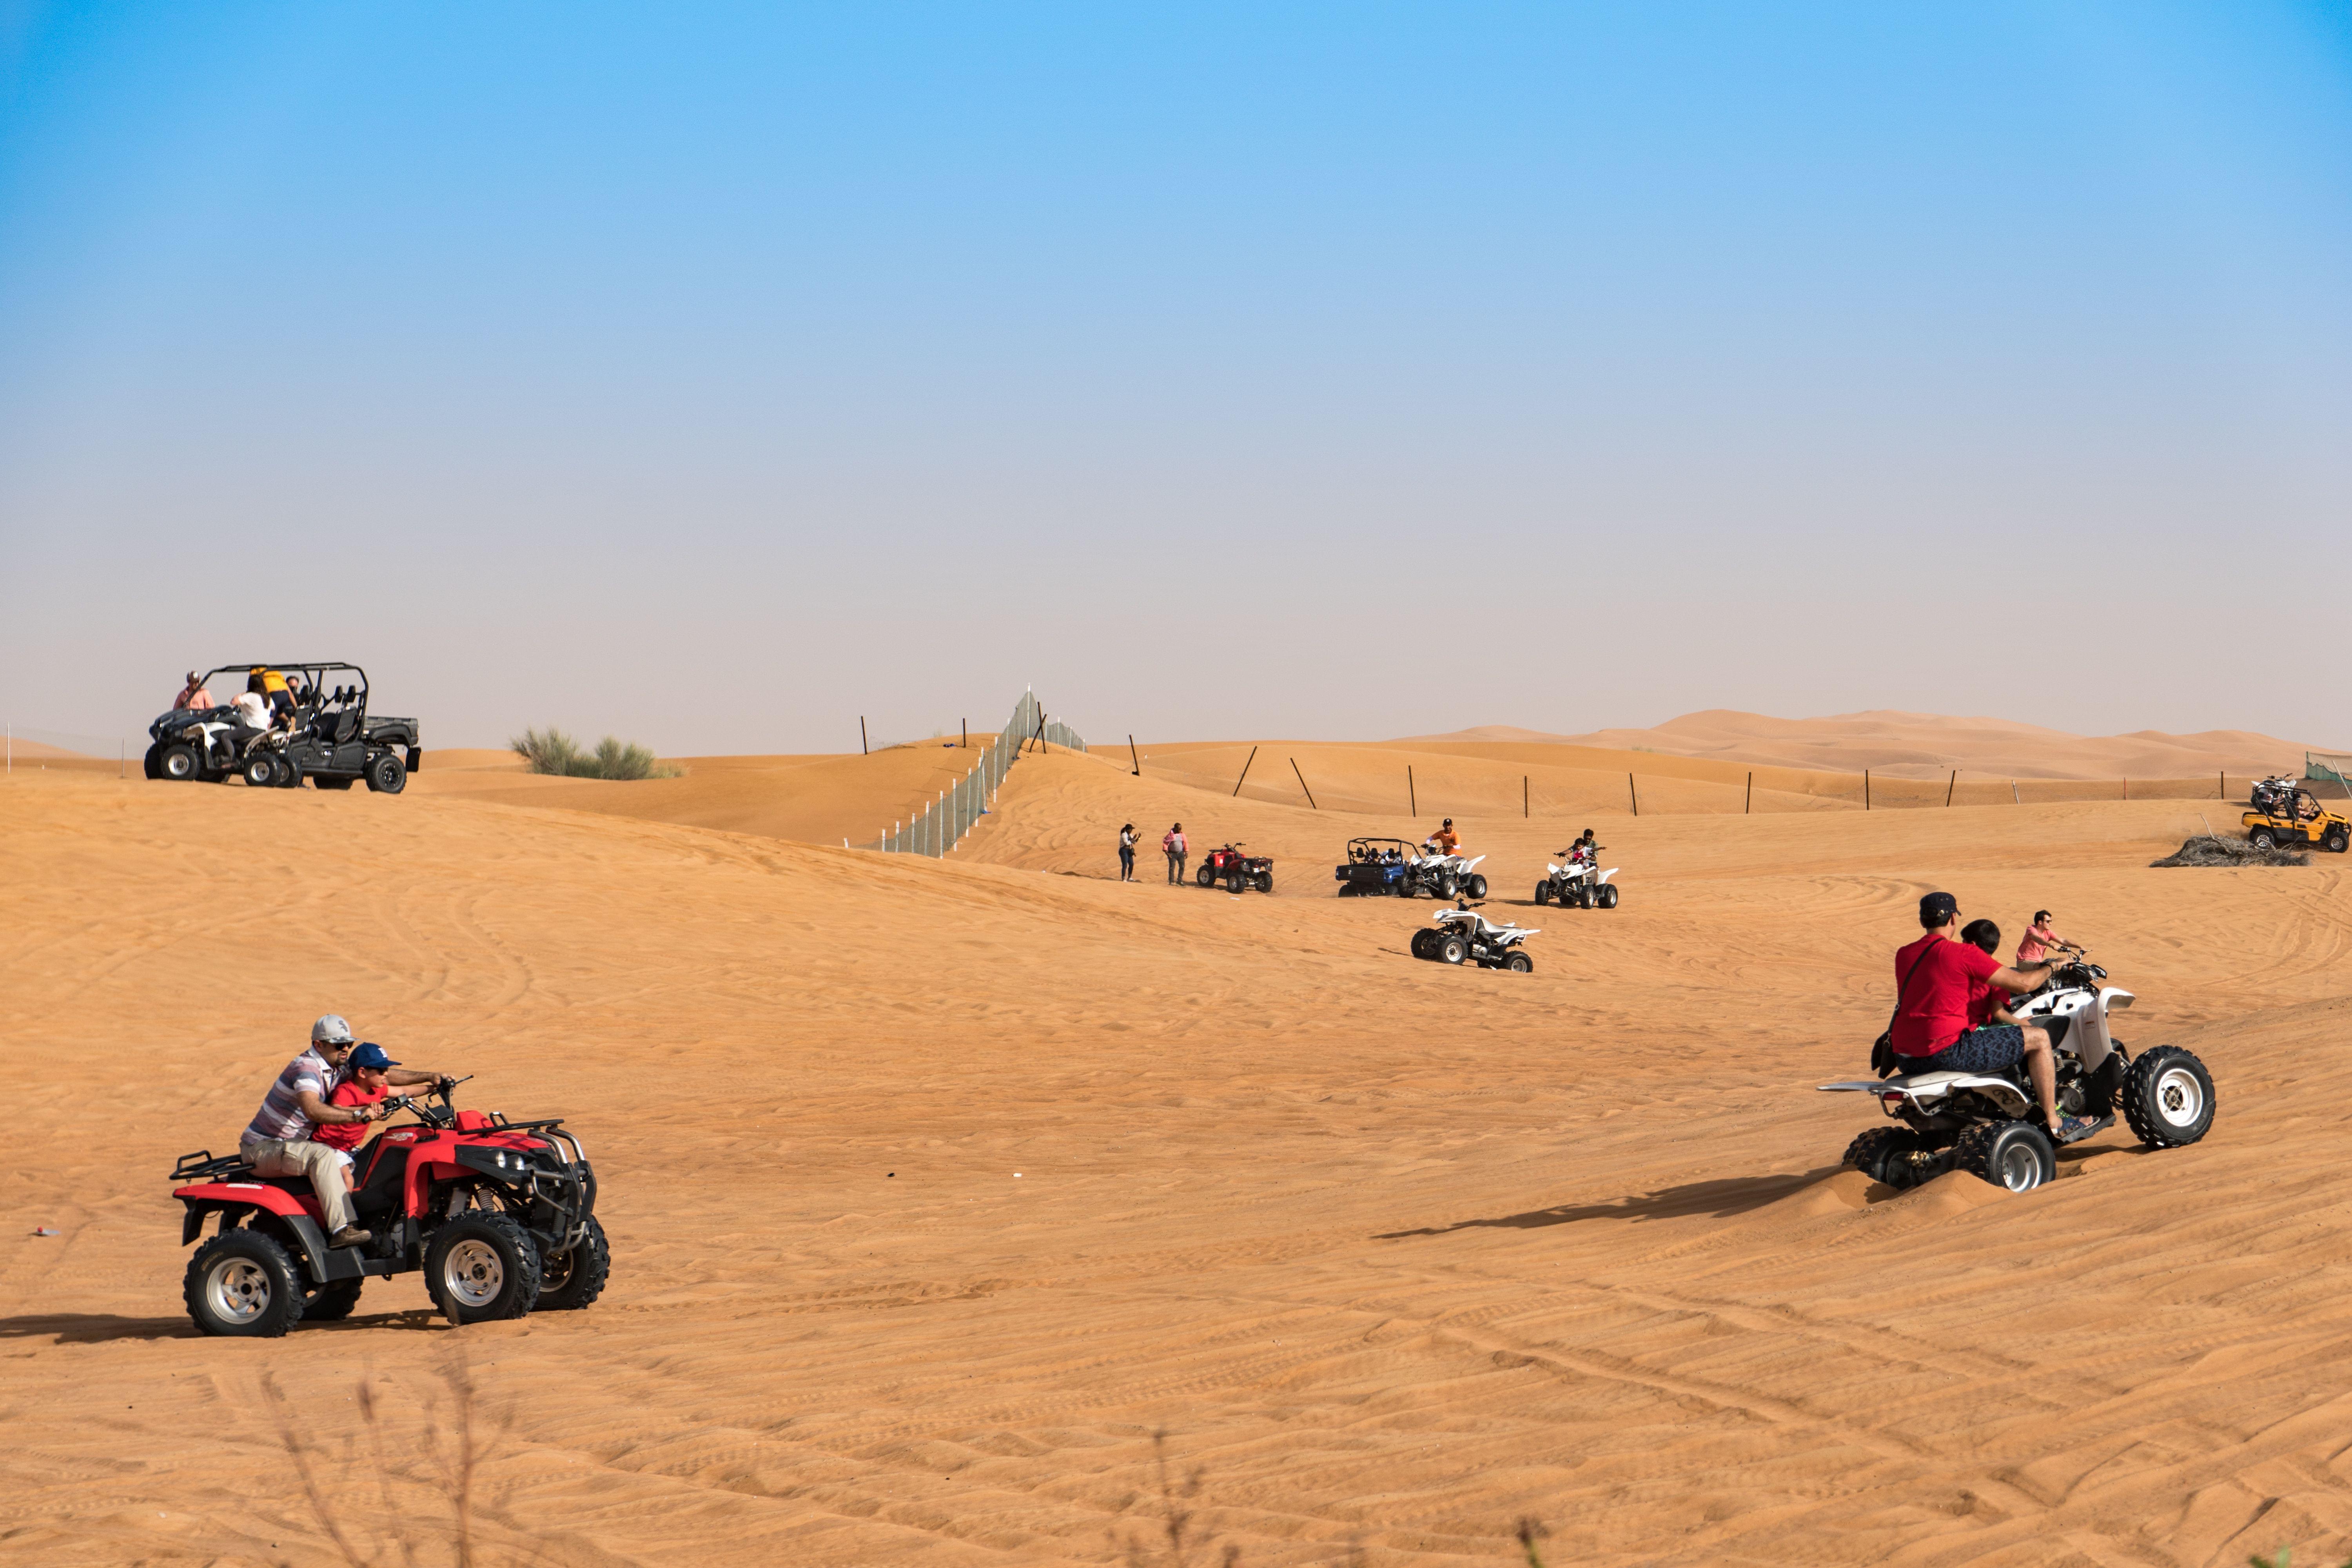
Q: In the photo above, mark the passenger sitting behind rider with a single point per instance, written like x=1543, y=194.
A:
x=279, y=1141
x=1932, y=1031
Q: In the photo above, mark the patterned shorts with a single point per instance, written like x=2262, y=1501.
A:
x=1988, y=1049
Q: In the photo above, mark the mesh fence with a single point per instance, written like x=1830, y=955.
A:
x=941, y=824
x=2328, y=773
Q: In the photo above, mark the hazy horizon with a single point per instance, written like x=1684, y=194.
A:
x=712, y=378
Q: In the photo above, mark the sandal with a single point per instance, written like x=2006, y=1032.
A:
x=2074, y=1128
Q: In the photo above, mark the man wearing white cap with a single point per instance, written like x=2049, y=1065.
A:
x=278, y=1143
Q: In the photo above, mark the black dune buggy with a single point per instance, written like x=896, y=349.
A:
x=330, y=737
x=1236, y=869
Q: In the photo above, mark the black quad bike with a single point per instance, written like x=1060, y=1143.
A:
x=498, y=1216
x=1989, y=1125
x=331, y=739
x=1236, y=869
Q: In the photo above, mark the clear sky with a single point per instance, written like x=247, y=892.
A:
x=713, y=375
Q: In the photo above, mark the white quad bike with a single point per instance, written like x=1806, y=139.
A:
x=1577, y=882
x=1439, y=875
x=1463, y=935
x=1989, y=1124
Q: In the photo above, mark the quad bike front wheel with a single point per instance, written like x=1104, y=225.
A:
x=1235, y=883
x=1451, y=949
x=2167, y=1098
x=1543, y=892
x=1206, y=876
x=1473, y=885
x=241, y=1285
x=482, y=1268
x=571, y=1280
x=1519, y=963
x=1265, y=881
x=177, y=763
x=259, y=771
x=2013, y=1154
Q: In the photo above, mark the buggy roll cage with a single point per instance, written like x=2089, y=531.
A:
x=312, y=670
x=1361, y=849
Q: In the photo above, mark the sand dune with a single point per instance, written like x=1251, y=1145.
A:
x=1396, y=1254
x=1929, y=745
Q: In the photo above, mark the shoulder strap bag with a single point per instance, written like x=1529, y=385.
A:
x=1882, y=1050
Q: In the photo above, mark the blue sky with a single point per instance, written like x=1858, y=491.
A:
x=713, y=375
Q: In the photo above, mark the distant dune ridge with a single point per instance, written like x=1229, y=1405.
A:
x=1927, y=745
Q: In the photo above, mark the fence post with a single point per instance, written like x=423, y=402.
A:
x=2126, y=789
x=2013, y=797
x=1131, y=756
x=2225, y=785
x=1302, y=784
x=1632, y=795
x=1524, y=812
x=1245, y=768
x=863, y=749
x=1866, y=789
x=1951, y=786
x=1412, y=801
x=1751, y=804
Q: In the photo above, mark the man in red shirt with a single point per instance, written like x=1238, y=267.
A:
x=1935, y=976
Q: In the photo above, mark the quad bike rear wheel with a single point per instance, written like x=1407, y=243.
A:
x=482, y=1268
x=1873, y=1150
x=332, y=1303
x=1607, y=895
x=1451, y=949
x=177, y=762
x=259, y=771
x=387, y=774
x=1425, y=943
x=241, y=1285
x=289, y=772
x=1519, y=963
x=2013, y=1154
x=571, y=1280
x=1473, y=885
x=2167, y=1098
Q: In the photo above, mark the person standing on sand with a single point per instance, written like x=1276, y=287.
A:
x=2039, y=940
x=1126, y=852
x=1173, y=845
x=1934, y=978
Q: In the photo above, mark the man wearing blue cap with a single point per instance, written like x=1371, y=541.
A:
x=281, y=1142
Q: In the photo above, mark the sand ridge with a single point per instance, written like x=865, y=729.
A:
x=1396, y=1253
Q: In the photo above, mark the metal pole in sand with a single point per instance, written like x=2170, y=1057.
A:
x=863, y=749
x=1302, y=784
x=1951, y=786
x=1631, y=796
x=2015, y=798
x=1130, y=752
x=1523, y=796
x=1866, y=789
x=1412, y=801
x=1245, y=768
x=1751, y=804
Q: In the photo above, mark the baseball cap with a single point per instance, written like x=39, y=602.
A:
x=371, y=1055
x=331, y=1030
x=1936, y=909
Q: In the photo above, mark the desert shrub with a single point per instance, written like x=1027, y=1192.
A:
x=552, y=751
x=2212, y=849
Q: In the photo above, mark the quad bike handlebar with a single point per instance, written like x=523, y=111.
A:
x=447, y=1115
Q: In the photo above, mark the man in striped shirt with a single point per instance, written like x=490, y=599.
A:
x=278, y=1143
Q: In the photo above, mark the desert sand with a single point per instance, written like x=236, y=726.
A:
x=936, y=1188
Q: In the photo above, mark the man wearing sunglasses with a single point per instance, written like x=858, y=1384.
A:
x=279, y=1141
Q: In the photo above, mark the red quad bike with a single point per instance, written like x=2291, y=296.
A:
x=1236, y=869
x=500, y=1215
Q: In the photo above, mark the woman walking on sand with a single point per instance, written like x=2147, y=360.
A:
x=1126, y=852
x=1173, y=844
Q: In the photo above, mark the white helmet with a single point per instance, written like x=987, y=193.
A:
x=331, y=1030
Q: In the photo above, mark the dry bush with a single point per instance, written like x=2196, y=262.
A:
x=2212, y=849
x=554, y=752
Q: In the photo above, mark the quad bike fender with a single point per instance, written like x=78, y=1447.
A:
x=1924, y=1089
x=1606, y=875
x=229, y=1199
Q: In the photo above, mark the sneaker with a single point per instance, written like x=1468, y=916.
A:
x=2074, y=1128
x=350, y=1236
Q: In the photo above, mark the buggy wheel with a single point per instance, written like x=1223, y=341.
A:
x=260, y=772
x=2167, y=1098
x=1265, y=881
x=1474, y=885
x=2013, y=1154
x=152, y=762
x=1607, y=895
x=2262, y=838
x=2334, y=841
x=177, y=762
x=1451, y=949
x=241, y=1284
x=482, y=1268
x=387, y=774
x=1206, y=876
x=571, y=1280
x=1543, y=892
x=1519, y=963
x=332, y=1303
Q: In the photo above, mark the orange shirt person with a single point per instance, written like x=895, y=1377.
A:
x=1445, y=838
